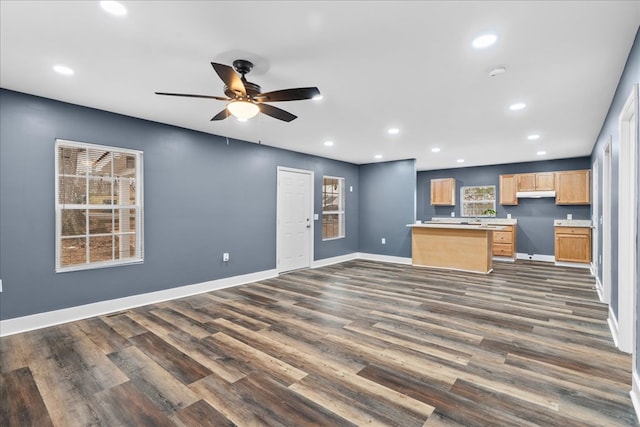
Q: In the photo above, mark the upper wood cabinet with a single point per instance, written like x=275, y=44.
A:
x=443, y=192
x=542, y=181
x=508, y=188
x=573, y=187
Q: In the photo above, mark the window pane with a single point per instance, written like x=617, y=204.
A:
x=100, y=161
x=72, y=190
x=100, y=191
x=125, y=220
x=125, y=246
x=125, y=191
x=330, y=226
x=74, y=222
x=100, y=221
x=73, y=252
x=101, y=248
x=72, y=161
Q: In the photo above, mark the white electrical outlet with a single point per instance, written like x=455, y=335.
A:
x=569, y=216
x=384, y=241
x=225, y=256
x=351, y=189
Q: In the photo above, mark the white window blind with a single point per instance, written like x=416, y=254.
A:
x=98, y=206
x=332, y=208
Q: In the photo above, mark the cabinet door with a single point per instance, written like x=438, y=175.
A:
x=443, y=192
x=573, y=187
x=546, y=181
x=526, y=182
x=508, y=187
x=572, y=247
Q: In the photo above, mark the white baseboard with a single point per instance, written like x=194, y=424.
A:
x=334, y=260
x=635, y=392
x=536, y=257
x=574, y=264
x=383, y=258
x=613, y=326
x=56, y=317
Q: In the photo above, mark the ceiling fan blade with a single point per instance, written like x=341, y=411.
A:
x=276, y=112
x=220, y=98
x=297, y=94
x=221, y=115
x=230, y=78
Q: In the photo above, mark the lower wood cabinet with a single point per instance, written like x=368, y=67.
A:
x=504, y=242
x=573, y=244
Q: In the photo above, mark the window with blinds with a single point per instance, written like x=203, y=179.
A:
x=332, y=208
x=98, y=206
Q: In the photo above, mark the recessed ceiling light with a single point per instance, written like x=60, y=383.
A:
x=517, y=106
x=378, y=156
x=435, y=150
x=328, y=143
x=541, y=153
x=460, y=160
x=533, y=137
x=63, y=69
x=484, y=41
x=317, y=97
x=393, y=131
x=497, y=71
x=114, y=8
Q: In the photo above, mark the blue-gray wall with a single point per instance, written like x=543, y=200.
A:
x=387, y=205
x=535, y=216
x=202, y=197
x=610, y=131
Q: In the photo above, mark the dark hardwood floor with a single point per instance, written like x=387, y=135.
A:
x=358, y=343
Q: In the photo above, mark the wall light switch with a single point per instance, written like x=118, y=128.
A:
x=384, y=241
x=315, y=217
x=351, y=188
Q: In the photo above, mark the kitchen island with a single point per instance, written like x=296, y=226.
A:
x=465, y=247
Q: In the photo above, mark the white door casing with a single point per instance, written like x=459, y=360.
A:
x=606, y=222
x=294, y=219
x=595, y=215
x=627, y=222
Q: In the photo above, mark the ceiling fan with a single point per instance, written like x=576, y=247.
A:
x=245, y=98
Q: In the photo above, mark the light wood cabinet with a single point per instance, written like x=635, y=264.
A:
x=508, y=188
x=573, y=244
x=504, y=242
x=443, y=192
x=542, y=181
x=573, y=187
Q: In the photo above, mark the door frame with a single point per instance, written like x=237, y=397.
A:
x=595, y=213
x=605, y=219
x=628, y=222
x=281, y=169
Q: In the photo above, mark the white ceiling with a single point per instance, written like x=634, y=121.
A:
x=378, y=64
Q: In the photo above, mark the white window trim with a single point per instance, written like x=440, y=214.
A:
x=341, y=212
x=139, y=233
x=463, y=202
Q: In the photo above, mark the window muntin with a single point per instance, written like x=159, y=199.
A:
x=98, y=206
x=478, y=201
x=332, y=208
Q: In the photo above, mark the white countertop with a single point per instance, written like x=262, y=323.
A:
x=458, y=226
x=572, y=223
x=492, y=221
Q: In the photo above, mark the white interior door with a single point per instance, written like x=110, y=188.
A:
x=627, y=222
x=295, y=219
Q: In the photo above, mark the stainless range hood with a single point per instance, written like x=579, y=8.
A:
x=534, y=194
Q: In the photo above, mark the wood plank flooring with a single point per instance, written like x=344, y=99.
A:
x=357, y=343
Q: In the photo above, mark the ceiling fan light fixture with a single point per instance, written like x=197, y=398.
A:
x=243, y=109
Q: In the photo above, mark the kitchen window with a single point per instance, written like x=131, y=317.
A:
x=332, y=208
x=478, y=201
x=98, y=206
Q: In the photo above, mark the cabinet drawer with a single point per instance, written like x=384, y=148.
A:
x=502, y=237
x=502, y=249
x=573, y=230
